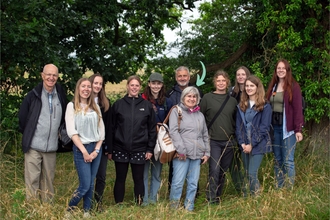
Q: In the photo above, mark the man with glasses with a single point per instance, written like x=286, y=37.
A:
x=40, y=115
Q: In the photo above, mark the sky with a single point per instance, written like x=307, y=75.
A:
x=171, y=36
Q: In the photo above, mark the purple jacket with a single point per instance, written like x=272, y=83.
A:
x=293, y=111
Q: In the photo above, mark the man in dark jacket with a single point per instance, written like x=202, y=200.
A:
x=182, y=77
x=40, y=115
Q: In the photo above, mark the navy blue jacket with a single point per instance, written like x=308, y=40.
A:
x=162, y=110
x=175, y=94
x=260, y=137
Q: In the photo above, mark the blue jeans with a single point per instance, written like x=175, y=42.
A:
x=86, y=174
x=156, y=169
x=251, y=166
x=284, y=157
x=188, y=169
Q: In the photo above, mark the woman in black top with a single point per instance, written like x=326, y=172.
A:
x=235, y=169
x=98, y=90
x=134, y=138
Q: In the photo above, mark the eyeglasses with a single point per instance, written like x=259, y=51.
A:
x=51, y=75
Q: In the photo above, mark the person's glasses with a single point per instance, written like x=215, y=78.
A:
x=51, y=75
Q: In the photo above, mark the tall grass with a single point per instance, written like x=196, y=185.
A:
x=308, y=200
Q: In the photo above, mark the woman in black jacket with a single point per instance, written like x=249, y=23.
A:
x=134, y=138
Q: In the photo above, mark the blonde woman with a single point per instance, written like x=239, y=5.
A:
x=86, y=128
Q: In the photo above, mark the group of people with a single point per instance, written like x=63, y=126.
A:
x=222, y=128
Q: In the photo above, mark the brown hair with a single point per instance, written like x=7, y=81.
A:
x=103, y=100
x=260, y=95
x=161, y=95
x=288, y=80
x=224, y=74
x=247, y=72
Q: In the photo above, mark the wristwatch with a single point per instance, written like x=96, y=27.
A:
x=97, y=151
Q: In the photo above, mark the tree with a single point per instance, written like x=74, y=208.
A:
x=258, y=33
x=106, y=36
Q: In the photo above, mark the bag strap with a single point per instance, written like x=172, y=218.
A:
x=179, y=116
x=218, y=113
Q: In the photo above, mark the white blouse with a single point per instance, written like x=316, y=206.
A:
x=87, y=125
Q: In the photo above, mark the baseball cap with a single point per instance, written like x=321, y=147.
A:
x=155, y=77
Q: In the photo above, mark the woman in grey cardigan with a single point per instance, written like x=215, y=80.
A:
x=191, y=141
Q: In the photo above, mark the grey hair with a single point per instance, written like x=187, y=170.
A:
x=193, y=90
x=182, y=68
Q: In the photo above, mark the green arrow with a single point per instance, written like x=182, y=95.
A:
x=200, y=80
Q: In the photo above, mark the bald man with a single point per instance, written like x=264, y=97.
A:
x=40, y=115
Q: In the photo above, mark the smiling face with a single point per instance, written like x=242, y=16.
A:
x=251, y=89
x=155, y=87
x=97, y=85
x=133, y=88
x=49, y=76
x=240, y=76
x=190, y=100
x=221, y=84
x=85, y=90
x=281, y=71
x=182, y=77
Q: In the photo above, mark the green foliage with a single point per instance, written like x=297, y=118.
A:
x=297, y=30
x=110, y=37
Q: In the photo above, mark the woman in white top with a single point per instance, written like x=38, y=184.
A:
x=86, y=128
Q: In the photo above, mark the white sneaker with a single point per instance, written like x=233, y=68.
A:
x=86, y=215
x=67, y=216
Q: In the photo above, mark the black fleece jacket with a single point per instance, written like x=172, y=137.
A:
x=133, y=126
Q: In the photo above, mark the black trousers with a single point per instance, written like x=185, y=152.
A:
x=236, y=170
x=221, y=157
x=100, y=178
x=121, y=174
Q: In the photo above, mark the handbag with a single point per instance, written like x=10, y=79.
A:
x=63, y=137
x=164, y=149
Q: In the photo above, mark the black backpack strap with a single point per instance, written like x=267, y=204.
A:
x=218, y=113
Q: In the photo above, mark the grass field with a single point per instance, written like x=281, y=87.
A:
x=308, y=200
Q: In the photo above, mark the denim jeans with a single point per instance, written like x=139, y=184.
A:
x=284, y=157
x=188, y=169
x=155, y=180
x=86, y=174
x=251, y=166
x=219, y=162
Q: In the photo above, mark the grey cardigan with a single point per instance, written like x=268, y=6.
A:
x=192, y=139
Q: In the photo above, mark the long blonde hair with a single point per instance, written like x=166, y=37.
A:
x=260, y=95
x=90, y=100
